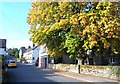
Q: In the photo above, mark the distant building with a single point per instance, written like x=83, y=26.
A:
x=3, y=47
x=31, y=54
x=21, y=51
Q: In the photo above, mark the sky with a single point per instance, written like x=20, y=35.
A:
x=13, y=23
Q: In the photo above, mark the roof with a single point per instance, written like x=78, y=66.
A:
x=23, y=49
x=29, y=49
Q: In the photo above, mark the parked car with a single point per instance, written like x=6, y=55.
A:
x=37, y=62
x=12, y=63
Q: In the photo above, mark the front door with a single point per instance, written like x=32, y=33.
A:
x=45, y=62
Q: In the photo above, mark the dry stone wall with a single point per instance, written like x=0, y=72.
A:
x=101, y=71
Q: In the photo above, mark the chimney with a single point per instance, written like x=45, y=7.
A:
x=29, y=47
x=33, y=45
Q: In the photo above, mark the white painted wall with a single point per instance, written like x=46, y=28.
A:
x=42, y=49
x=20, y=53
x=35, y=53
x=42, y=55
x=32, y=54
x=28, y=56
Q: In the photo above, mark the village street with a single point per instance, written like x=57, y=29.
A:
x=29, y=73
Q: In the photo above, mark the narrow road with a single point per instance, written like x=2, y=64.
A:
x=29, y=73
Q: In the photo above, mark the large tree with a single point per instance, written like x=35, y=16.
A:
x=14, y=52
x=75, y=27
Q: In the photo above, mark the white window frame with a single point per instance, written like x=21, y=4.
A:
x=112, y=60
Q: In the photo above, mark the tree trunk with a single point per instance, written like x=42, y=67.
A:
x=80, y=61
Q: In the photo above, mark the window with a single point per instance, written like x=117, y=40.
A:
x=112, y=60
x=43, y=50
x=33, y=58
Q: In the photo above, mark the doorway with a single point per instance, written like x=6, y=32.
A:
x=45, y=62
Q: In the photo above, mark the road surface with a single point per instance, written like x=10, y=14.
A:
x=29, y=73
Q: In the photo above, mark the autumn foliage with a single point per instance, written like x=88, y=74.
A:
x=75, y=27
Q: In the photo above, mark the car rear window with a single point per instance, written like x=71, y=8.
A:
x=12, y=62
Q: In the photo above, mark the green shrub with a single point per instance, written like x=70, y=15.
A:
x=22, y=59
x=93, y=67
x=115, y=69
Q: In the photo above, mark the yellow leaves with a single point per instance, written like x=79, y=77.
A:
x=83, y=21
x=91, y=18
x=89, y=44
x=111, y=24
x=74, y=19
x=40, y=28
x=95, y=25
x=58, y=25
x=91, y=38
x=86, y=30
x=104, y=4
x=107, y=30
x=31, y=31
x=63, y=22
x=115, y=36
x=103, y=40
x=106, y=43
x=92, y=43
x=35, y=4
x=104, y=13
x=82, y=18
x=62, y=5
x=32, y=16
x=53, y=52
x=92, y=26
x=85, y=45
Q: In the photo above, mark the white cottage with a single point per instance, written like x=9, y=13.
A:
x=35, y=53
x=31, y=54
x=28, y=55
x=43, y=57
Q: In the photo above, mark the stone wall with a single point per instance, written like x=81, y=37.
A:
x=64, y=67
x=112, y=72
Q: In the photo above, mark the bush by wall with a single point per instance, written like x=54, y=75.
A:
x=22, y=59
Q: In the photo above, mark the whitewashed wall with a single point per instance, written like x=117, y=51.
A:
x=42, y=55
x=35, y=54
x=20, y=53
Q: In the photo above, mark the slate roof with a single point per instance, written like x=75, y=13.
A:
x=29, y=49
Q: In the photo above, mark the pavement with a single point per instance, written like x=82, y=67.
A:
x=83, y=78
